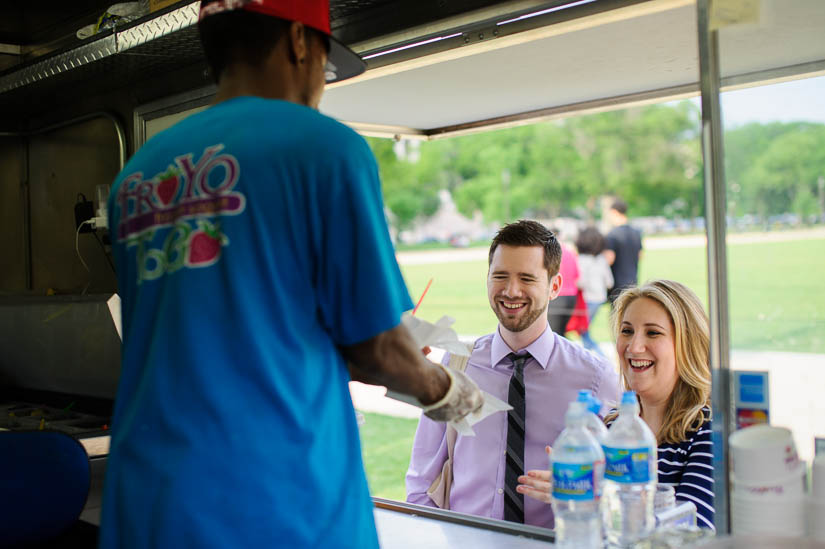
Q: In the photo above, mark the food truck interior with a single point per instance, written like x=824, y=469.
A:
x=82, y=88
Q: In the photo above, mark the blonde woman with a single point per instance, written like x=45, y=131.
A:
x=662, y=339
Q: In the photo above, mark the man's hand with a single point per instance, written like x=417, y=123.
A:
x=392, y=359
x=463, y=397
x=537, y=484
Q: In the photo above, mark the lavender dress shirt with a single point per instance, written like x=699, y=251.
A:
x=553, y=375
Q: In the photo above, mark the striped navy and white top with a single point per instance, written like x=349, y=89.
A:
x=688, y=467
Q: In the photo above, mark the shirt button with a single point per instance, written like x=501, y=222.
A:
x=500, y=491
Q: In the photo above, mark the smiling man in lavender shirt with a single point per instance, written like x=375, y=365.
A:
x=548, y=370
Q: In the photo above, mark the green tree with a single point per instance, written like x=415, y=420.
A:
x=410, y=187
x=773, y=168
x=649, y=155
x=782, y=176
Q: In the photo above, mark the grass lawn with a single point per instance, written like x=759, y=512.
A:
x=385, y=443
x=777, y=292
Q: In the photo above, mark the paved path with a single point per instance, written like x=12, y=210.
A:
x=455, y=255
x=700, y=241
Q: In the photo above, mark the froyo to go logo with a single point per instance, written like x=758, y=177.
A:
x=176, y=209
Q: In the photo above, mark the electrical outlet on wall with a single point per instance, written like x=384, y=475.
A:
x=83, y=211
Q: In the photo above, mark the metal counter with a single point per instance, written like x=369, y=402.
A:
x=64, y=344
x=762, y=542
x=408, y=526
x=400, y=525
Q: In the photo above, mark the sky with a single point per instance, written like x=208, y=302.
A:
x=799, y=100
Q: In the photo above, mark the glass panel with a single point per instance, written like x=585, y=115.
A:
x=771, y=57
x=445, y=200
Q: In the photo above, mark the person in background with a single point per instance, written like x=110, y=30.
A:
x=663, y=341
x=524, y=363
x=560, y=310
x=595, y=277
x=623, y=249
x=254, y=266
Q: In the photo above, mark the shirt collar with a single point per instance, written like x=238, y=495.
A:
x=540, y=349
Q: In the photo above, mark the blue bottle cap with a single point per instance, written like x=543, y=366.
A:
x=629, y=397
x=584, y=396
x=594, y=405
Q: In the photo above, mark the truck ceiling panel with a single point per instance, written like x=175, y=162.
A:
x=33, y=22
x=601, y=62
x=164, y=48
x=605, y=53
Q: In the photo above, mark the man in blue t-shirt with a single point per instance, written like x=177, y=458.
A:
x=257, y=278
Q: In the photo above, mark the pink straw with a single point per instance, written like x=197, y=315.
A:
x=420, y=299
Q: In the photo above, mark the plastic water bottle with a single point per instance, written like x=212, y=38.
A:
x=597, y=428
x=574, y=462
x=593, y=423
x=630, y=476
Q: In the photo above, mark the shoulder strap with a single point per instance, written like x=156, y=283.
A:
x=439, y=490
x=458, y=362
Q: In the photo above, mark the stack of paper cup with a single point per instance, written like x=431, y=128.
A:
x=768, y=482
x=816, y=504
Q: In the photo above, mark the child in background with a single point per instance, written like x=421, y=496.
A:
x=595, y=277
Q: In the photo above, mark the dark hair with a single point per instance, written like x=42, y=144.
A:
x=619, y=205
x=239, y=37
x=590, y=241
x=529, y=233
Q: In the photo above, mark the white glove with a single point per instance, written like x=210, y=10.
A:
x=462, y=398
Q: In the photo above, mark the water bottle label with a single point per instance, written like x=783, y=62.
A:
x=573, y=481
x=630, y=465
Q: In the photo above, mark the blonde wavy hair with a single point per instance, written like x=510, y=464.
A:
x=691, y=338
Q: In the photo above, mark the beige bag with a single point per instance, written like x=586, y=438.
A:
x=439, y=490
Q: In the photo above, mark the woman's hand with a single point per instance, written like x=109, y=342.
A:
x=537, y=484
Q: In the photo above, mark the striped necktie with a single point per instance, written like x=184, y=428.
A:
x=514, y=466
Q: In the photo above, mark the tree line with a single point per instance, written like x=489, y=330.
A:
x=650, y=156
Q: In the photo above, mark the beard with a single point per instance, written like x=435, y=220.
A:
x=523, y=320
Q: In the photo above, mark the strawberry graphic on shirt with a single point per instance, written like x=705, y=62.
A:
x=205, y=244
x=167, y=186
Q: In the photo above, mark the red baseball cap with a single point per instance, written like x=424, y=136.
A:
x=342, y=62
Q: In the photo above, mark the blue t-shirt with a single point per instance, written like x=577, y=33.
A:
x=250, y=242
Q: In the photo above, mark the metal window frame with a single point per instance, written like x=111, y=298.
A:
x=715, y=217
x=168, y=105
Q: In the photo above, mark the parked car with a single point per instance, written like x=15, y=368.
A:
x=459, y=241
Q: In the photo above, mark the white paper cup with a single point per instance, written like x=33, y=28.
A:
x=816, y=518
x=763, y=453
x=780, y=516
x=793, y=528
x=792, y=485
x=768, y=506
x=768, y=510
